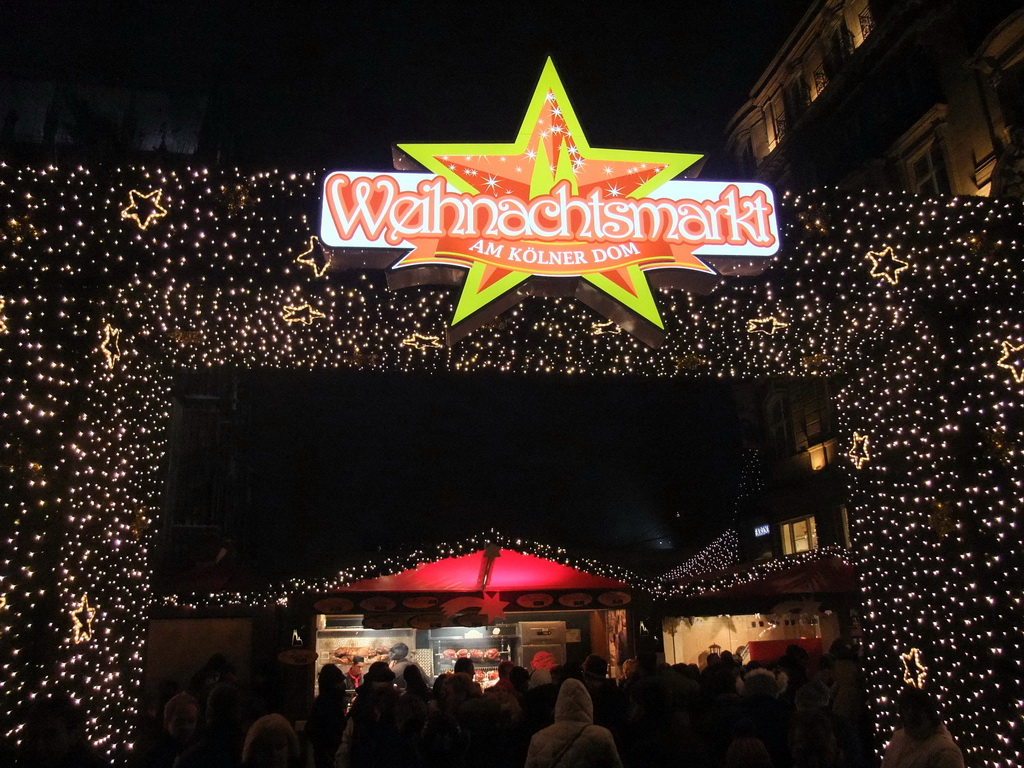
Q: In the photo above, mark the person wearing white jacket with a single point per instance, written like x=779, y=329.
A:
x=573, y=741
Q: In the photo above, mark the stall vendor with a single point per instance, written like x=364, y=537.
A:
x=353, y=679
x=399, y=659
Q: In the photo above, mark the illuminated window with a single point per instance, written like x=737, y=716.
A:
x=799, y=535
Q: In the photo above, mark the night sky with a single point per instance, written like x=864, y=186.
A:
x=349, y=460
x=330, y=84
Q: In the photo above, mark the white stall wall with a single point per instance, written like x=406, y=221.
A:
x=687, y=639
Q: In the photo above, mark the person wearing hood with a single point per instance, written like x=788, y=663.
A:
x=573, y=741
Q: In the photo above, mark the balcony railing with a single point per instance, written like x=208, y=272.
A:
x=820, y=79
x=867, y=23
x=780, y=129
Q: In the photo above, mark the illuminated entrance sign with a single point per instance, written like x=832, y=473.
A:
x=549, y=214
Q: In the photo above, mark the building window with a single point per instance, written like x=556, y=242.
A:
x=800, y=535
x=779, y=426
x=838, y=47
x=926, y=171
x=845, y=520
x=797, y=97
x=811, y=410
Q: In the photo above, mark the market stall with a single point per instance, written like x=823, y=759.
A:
x=489, y=606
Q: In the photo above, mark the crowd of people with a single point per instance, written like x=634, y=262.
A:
x=726, y=715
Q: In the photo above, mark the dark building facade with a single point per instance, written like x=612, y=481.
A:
x=890, y=94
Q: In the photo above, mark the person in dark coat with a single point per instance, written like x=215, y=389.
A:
x=610, y=702
x=372, y=738
x=400, y=662
x=271, y=743
x=181, y=715
x=761, y=704
x=658, y=733
x=220, y=744
x=326, y=722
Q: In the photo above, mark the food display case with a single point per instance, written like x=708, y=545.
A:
x=546, y=636
x=341, y=640
x=486, y=647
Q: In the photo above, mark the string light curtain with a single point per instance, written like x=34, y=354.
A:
x=112, y=280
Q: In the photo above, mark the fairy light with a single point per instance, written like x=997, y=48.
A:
x=309, y=257
x=917, y=365
x=606, y=328
x=301, y=313
x=1013, y=360
x=859, y=452
x=914, y=670
x=82, y=616
x=421, y=342
x=886, y=265
x=153, y=209
x=110, y=346
x=766, y=325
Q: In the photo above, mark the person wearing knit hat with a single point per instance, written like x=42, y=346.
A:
x=769, y=713
x=760, y=682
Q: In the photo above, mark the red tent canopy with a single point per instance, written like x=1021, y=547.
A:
x=510, y=571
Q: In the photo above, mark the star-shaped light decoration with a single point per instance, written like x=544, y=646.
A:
x=607, y=328
x=914, y=670
x=859, y=452
x=301, y=313
x=421, y=342
x=1013, y=360
x=887, y=265
x=144, y=208
x=82, y=616
x=316, y=257
x=551, y=148
x=111, y=345
x=765, y=325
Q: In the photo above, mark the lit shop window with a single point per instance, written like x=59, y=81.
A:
x=799, y=535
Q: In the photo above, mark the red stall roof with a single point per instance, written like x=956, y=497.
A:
x=511, y=570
